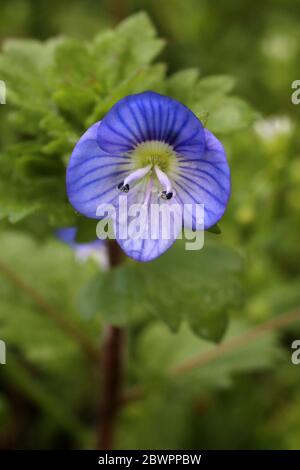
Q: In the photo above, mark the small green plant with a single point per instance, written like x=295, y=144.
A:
x=55, y=90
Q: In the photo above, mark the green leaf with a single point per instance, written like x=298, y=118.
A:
x=230, y=114
x=52, y=271
x=210, y=99
x=74, y=74
x=86, y=229
x=181, y=85
x=142, y=78
x=34, y=166
x=198, y=287
x=115, y=294
x=169, y=350
x=120, y=53
x=214, y=85
x=138, y=35
x=215, y=229
x=16, y=210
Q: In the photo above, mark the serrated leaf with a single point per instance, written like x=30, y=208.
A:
x=225, y=114
x=169, y=350
x=230, y=115
x=119, y=53
x=199, y=287
x=140, y=80
x=181, y=85
x=140, y=35
x=214, y=85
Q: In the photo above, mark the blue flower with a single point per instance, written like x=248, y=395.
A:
x=150, y=149
x=94, y=249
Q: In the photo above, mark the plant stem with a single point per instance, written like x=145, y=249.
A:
x=118, y=10
x=239, y=341
x=111, y=369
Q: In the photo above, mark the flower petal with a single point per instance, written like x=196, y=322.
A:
x=93, y=175
x=150, y=116
x=66, y=234
x=204, y=179
x=150, y=226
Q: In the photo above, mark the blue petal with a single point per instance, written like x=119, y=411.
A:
x=204, y=179
x=155, y=237
x=150, y=116
x=93, y=175
x=67, y=234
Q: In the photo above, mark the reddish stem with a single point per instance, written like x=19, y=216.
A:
x=111, y=368
x=112, y=353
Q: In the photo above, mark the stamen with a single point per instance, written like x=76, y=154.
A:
x=167, y=193
x=122, y=187
x=148, y=191
x=136, y=175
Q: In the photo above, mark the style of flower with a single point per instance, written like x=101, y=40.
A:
x=150, y=149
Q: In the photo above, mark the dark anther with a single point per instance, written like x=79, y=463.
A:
x=166, y=195
x=123, y=188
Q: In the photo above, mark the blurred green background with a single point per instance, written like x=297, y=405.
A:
x=246, y=399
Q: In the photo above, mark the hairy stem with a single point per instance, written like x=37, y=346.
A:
x=111, y=369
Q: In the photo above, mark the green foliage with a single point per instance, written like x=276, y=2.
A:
x=55, y=89
x=248, y=398
x=40, y=353
x=169, y=350
x=215, y=229
x=59, y=87
x=52, y=271
x=210, y=100
x=176, y=402
x=199, y=287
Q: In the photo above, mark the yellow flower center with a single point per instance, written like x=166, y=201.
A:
x=154, y=152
